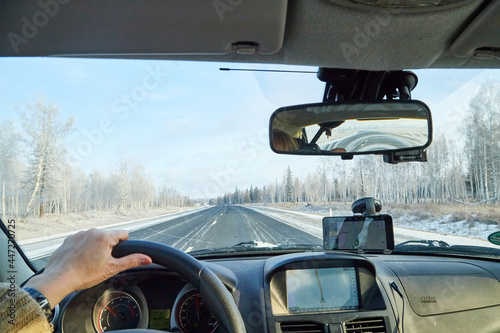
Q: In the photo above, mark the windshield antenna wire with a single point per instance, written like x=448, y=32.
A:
x=266, y=70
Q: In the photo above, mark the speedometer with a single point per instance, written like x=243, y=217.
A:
x=193, y=316
x=116, y=310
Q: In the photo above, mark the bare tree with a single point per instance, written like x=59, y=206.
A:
x=142, y=189
x=122, y=182
x=10, y=165
x=482, y=129
x=45, y=132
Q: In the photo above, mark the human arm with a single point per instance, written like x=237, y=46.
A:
x=19, y=312
x=82, y=261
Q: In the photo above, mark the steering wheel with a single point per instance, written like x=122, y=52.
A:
x=212, y=290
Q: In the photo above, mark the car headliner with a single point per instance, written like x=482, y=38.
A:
x=327, y=33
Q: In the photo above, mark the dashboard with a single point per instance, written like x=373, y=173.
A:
x=301, y=292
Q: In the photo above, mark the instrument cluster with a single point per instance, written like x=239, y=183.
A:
x=138, y=300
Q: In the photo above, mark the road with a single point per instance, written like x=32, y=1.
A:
x=226, y=226
x=219, y=226
x=223, y=226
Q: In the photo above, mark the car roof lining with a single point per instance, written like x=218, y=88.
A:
x=314, y=33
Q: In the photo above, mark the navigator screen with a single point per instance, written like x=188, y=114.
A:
x=322, y=289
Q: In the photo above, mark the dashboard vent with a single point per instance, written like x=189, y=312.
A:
x=302, y=327
x=366, y=325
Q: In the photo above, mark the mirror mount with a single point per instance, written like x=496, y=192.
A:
x=366, y=206
x=347, y=157
x=361, y=85
x=406, y=156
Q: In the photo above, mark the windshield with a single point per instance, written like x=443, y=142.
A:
x=178, y=153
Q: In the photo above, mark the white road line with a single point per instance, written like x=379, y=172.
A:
x=197, y=234
x=189, y=249
x=283, y=219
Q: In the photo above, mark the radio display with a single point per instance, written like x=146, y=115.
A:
x=321, y=289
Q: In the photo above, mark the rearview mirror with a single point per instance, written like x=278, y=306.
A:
x=347, y=128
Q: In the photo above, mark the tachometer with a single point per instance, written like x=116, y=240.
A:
x=116, y=310
x=193, y=316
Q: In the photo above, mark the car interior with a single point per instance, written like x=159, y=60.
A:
x=365, y=52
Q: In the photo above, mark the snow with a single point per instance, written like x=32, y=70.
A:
x=446, y=225
x=404, y=234
x=305, y=222
x=35, y=248
x=307, y=218
x=43, y=228
x=407, y=226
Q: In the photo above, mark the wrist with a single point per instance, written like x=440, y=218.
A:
x=42, y=301
x=53, y=290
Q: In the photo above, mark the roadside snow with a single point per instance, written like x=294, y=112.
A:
x=53, y=225
x=35, y=248
x=406, y=226
x=404, y=234
x=445, y=225
x=303, y=221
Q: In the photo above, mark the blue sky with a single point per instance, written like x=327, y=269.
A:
x=192, y=124
x=188, y=124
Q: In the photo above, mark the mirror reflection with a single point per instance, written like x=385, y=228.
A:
x=354, y=128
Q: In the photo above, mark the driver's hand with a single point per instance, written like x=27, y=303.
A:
x=82, y=261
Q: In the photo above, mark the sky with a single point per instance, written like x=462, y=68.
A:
x=191, y=126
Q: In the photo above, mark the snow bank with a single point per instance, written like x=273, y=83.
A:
x=406, y=225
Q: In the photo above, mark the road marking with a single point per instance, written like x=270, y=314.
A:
x=173, y=236
x=199, y=233
x=285, y=222
x=189, y=249
x=214, y=222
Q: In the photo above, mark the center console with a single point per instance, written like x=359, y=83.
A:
x=327, y=292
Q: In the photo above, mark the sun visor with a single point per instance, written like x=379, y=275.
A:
x=481, y=38
x=155, y=27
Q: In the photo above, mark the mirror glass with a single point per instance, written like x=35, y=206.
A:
x=351, y=128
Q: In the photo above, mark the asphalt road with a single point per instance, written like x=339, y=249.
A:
x=223, y=226
x=226, y=226
x=217, y=227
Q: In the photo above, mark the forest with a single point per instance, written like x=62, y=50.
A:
x=464, y=168
x=37, y=177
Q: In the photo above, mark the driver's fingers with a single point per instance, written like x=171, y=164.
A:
x=118, y=235
x=131, y=261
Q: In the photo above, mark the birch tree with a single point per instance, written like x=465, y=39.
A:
x=9, y=163
x=45, y=132
x=482, y=130
x=122, y=182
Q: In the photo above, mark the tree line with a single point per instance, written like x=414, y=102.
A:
x=462, y=168
x=36, y=175
x=443, y=179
